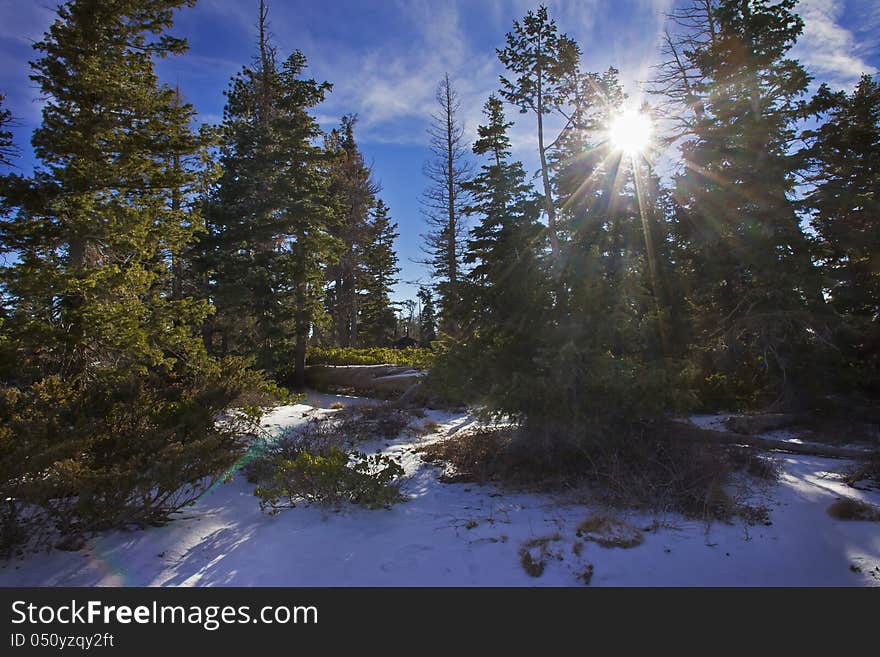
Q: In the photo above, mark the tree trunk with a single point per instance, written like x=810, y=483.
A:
x=545, y=177
x=177, y=257
x=302, y=320
x=451, y=225
x=685, y=431
x=299, y=362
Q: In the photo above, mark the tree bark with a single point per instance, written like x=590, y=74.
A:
x=685, y=431
x=545, y=177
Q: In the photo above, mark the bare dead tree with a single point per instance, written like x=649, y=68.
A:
x=444, y=200
x=678, y=80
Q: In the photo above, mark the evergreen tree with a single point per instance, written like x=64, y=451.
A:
x=407, y=326
x=269, y=216
x=444, y=201
x=108, y=412
x=504, y=243
x=239, y=257
x=545, y=64
x=353, y=192
x=844, y=203
x=7, y=147
x=754, y=292
x=376, y=277
x=607, y=200
x=427, y=317
x=506, y=302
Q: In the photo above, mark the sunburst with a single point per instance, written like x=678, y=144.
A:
x=631, y=132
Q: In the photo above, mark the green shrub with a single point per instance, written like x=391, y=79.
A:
x=853, y=509
x=77, y=457
x=418, y=358
x=332, y=478
x=563, y=396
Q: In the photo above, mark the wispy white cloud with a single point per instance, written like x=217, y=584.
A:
x=391, y=84
x=25, y=22
x=241, y=14
x=395, y=80
x=22, y=25
x=831, y=51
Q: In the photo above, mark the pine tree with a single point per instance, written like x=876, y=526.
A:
x=353, y=193
x=444, y=201
x=239, y=256
x=607, y=200
x=545, y=64
x=7, y=147
x=504, y=244
x=269, y=217
x=755, y=294
x=407, y=326
x=108, y=413
x=844, y=204
x=427, y=317
x=506, y=302
x=678, y=78
x=377, y=276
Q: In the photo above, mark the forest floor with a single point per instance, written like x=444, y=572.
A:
x=459, y=534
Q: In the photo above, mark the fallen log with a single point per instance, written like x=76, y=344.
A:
x=382, y=380
x=687, y=431
x=754, y=424
x=409, y=396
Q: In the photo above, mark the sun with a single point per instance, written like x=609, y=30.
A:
x=630, y=132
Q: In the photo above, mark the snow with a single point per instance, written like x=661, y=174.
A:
x=409, y=374
x=711, y=422
x=468, y=535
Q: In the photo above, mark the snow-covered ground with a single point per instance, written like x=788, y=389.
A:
x=468, y=535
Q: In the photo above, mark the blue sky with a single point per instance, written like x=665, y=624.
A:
x=384, y=58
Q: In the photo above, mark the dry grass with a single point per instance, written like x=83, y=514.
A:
x=852, y=509
x=533, y=567
x=428, y=428
x=754, y=515
x=534, y=553
x=609, y=532
x=649, y=471
x=337, y=406
x=374, y=421
x=586, y=575
x=866, y=474
x=754, y=463
x=491, y=454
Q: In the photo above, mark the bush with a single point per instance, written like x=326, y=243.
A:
x=866, y=473
x=852, y=509
x=315, y=463
x=645, y=469
x=332, y=478
x=609, y=532
x=564, y=396
x=342, y=430
x=418, y=358
x=77, y=457
x=535, y=552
